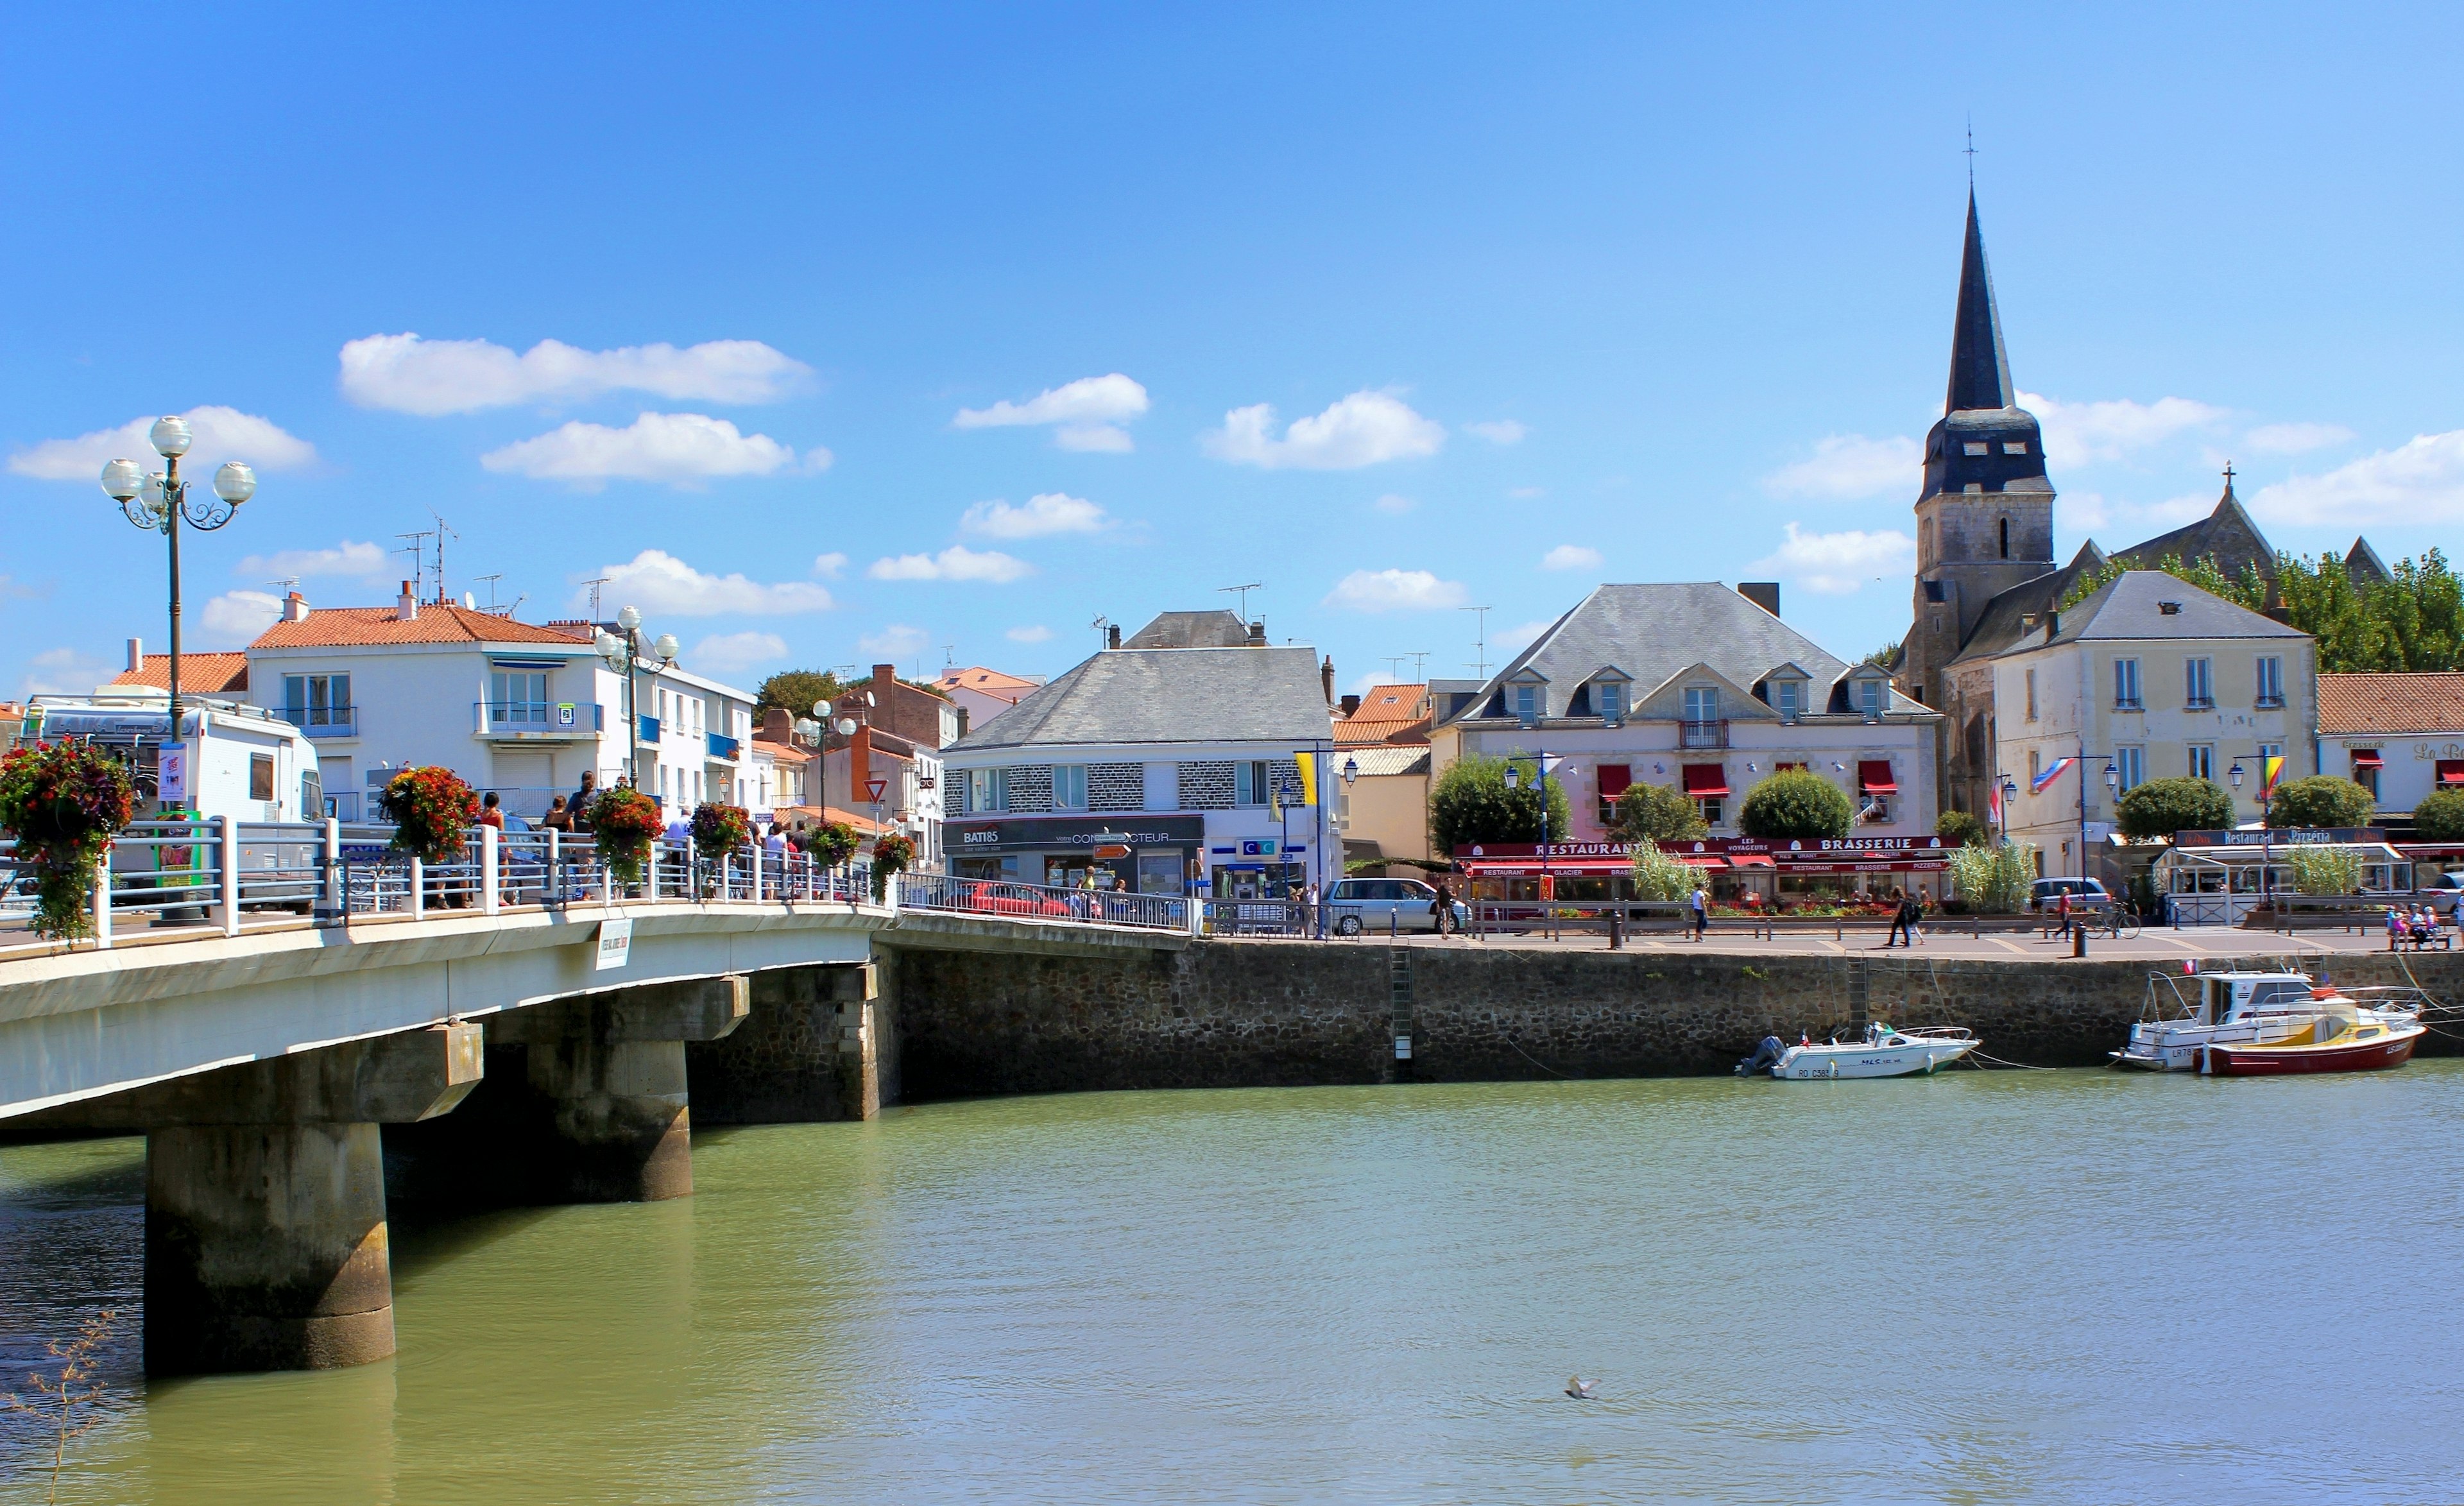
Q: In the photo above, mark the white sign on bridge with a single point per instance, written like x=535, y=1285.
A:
x=615, y=942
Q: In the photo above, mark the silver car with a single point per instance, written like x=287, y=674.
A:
x=1355, y=905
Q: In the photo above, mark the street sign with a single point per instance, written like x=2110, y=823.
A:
x=876, y=789
x=1112, y=851
x=566, y=712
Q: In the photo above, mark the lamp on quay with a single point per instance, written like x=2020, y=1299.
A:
x=159, y=501
x=625, y=654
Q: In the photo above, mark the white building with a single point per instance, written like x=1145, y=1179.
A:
x=2399, y=735
x=515, y=707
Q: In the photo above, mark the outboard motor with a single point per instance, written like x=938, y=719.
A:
x=1765, y=1056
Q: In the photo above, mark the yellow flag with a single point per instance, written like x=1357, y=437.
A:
x=1308, y=777
x=2268, y=772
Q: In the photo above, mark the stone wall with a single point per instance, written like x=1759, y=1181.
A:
x=791, y=1060
x=1256, y=1013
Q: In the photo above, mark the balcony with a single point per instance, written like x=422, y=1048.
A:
x=723, y=749
x=323, y=721
x=1702, y=734
x=650, y=728
x=537, y=721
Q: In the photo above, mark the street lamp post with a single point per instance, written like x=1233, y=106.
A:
x=2266, y=828
x=160, y=500
x=625, y=655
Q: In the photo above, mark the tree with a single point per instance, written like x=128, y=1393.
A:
x=1960, y=828
x=1470, y=804
x=1795, y=805
x=2322, y=800
x=1887, y=656
x=797, y=690
x=1657, y=813
x=2412, y=621
x=2439, y=817
x=2163, y=806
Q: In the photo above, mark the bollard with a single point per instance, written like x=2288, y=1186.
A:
x=2079, y=941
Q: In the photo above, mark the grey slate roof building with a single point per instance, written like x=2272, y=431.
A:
x=1130, y=696
x=1191, y=629
x=2149, y=604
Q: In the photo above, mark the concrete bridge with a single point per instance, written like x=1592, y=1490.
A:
x=260, y=1050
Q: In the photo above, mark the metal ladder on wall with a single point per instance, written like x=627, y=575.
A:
x=1398, y=997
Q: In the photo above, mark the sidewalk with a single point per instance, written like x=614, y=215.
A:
x=2154, y=944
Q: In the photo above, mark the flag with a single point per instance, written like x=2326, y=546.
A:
x=2270, y=771
x=1308, y=777
x=1994, y=803
x=2053, y=771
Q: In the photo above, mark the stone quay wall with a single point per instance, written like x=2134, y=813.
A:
x=1232, y=1013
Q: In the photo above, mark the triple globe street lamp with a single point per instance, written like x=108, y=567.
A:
x=159, y=499
x=625, y=654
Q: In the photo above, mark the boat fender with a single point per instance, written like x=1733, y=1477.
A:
x=1766, y=1054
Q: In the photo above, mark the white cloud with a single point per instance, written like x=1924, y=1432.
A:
x=1835, y=563
x=660, y=584
x=2296, y=439
x=1519, y=636
x=2419, y=483
x=1395, y=590
x=221, y=433
x=1851, y=465
x=1044, y=512
x=1501, y=432
x=65, y=672
x=957, y=563
x=1365, y=429
x=236, y=618
x=1571, y=557
x=1088, y=413
x=896, y=642
x=356, y=561
x=1525, y=494
x=680, y=449
x=2076, y=433
x=2125, y=522
x=1038, y=634
x=726, y=651
x=431, y=377
x=1395, y=503
x=830, y=566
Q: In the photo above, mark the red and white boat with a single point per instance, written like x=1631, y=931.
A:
x=2340, y=1039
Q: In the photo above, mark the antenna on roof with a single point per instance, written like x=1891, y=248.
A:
x=1100, y=623
x=1483, y=643
x=1419, y=666
x=286, y=586
x=1394, y=664
x=594, y=584
x=492, y=581
x=949, y=655
x=444, y=530
x=417, y=549
x=1241, y=594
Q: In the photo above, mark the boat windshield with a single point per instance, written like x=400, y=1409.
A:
x=2280, y=993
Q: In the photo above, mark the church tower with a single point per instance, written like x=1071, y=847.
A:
x=1985, y=518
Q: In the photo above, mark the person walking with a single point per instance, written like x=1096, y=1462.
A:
x=1900, y=921
x=1699, y=909
x=1442, y=909
x=1309, y=911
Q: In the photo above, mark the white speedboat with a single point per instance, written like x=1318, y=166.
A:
x=2249, y=1008
x=1883, y=1053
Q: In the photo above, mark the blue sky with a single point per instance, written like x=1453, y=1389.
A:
x=1395, y=309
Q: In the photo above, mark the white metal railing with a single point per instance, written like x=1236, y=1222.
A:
x=998, y=898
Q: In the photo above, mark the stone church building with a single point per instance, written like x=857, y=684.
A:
x=1986, y=573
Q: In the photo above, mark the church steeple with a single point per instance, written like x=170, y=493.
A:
x=1980, y=369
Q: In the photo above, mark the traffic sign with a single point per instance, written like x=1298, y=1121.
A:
x=876, y=789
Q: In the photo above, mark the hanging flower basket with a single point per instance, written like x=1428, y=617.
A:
x=626, y=823
x=431, y=809
x=63, y=802
x=891, y=854
x=720, y=830
x=835, y=844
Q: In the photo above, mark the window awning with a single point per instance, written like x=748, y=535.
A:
x=1754, y=860
x=1874, y=777
x=2367, y=758
x=2450, y=771
x=1615, y=779
x=1706, y=780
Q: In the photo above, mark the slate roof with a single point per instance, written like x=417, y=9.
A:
x=2129, y=607
x=203, y=673
x=1264, y=695
x=1654, y=630
x=1981, y=402
x=1980, y=367
x=2362, y=565
x=1191, y=629
x=2227, y=535
x=352, y=627
x=2367, y=704
x=2005, y=619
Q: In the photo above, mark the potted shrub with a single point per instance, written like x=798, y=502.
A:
x=63, y=802
x=891, y=854
x=626, y=823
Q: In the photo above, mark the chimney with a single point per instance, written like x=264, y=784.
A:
x=1113, y=636
x=1326, y=678
x=295, y=607
x=1762, y=593
x=860, y=768
x=1350, y=706
x=136, y=654
x=405, y=606
x=2053, y=625
x=1257, y=634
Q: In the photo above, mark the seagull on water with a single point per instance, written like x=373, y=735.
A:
x=1579, y=1389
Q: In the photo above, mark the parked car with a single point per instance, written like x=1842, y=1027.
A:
x=1355, y=905
x=2446, y=891
x=2045, y=893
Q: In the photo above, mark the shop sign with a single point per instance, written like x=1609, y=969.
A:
x=1038, y=832
x=2288, y=837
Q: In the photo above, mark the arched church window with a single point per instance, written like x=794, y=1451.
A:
x=2005, y=538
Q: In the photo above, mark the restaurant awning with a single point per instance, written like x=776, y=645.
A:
x=2367, y=758
x=2450, y=771
x=1874, y=777
x=1706, y=780
x=1752, y=860
x=1615, y=779
x=1563, y=866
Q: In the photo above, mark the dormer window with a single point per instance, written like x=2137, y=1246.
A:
x=1788, y=698
x=1608, y=698
x=1977, y=447
x=1871, y=694
x=1527, y=703
x=2014, y=446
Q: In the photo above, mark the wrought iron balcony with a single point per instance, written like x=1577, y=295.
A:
x=723, y=748
x=1702, y=734
x=323, y=721
x=650, y=729
x=537, y=721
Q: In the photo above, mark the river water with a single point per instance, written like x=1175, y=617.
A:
x=2070, y=1286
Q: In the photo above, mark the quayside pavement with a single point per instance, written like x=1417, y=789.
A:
x=2153, y=945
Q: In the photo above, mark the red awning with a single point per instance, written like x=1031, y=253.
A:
x=1706, y=781
x=2450, y=771
x=1874, y=777
x=2367, y=758
x=1752, y=860
x=1614, y=778
x=1702, y=860
x=1563, y=866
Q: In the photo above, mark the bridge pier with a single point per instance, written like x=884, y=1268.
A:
x=815, y=1047
x=616, y=1124
x=265, y=1203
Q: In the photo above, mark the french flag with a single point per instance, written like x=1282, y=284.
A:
x=2053, y=771
x=1994, y=803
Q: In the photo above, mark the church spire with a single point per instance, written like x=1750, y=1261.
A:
x=1980, y=370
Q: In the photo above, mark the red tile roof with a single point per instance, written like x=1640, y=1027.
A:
x=991, y=683
x=205, y=674
x=351, y=626
x=2365, y=703
x=1387, y=714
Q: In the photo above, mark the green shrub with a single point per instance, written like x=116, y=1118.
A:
x=2163, y=806
x=1656, y=876
x=1657, y=813
x=2325, y=870
x=2440, y=816
x=1959, y=827
x=1470, y=804
x=1993, y=879
x=2322, y=800
x=1796, y=805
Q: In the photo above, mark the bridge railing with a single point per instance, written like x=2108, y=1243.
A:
x=988, y=896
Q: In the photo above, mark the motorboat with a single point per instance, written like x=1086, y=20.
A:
x=1882, y=1052
x=2246, y=1008
x=2341, y=1039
